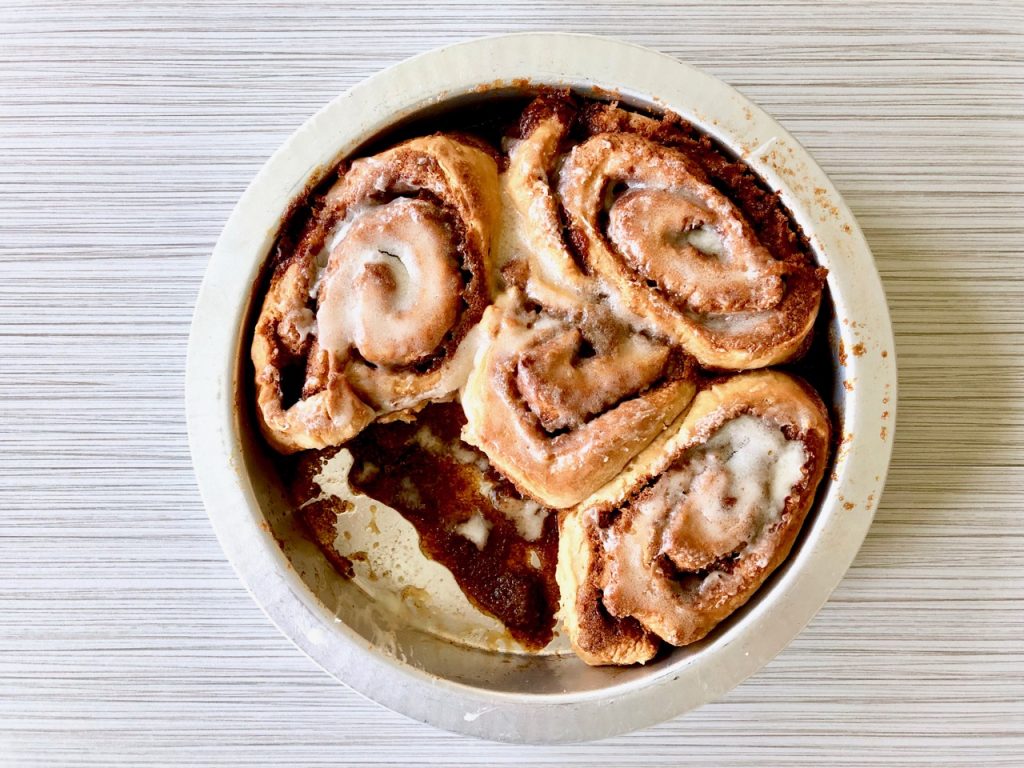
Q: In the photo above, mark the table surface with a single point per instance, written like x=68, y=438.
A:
x=127, y=132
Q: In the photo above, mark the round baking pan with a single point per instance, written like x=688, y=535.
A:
x=501, y=696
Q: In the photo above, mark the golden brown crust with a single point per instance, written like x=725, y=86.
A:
x=536, y=257
x=383, y=326
x=597, y=636
x=667, y=555
x=632, y=209
x=560, y=404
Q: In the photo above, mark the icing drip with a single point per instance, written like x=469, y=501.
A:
x=712, y=509
x=723, y=494
x=391, y=287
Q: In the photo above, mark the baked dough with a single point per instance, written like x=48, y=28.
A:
x=690, y=530
x=375, y=306
x=560, y=403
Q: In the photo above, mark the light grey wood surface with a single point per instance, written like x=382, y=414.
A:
x=127, y=132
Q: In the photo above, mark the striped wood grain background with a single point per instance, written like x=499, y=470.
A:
x=128, y=130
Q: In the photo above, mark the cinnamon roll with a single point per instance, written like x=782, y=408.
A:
x=560, y=403
x=617, y=204
x=697, y=523
x=535, y=254
x=371, y=313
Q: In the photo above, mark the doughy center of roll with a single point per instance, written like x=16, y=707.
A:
x=689, y=251
x=392, y=284
x=722, y=495
x=565, y=379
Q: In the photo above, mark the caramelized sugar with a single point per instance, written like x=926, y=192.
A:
x=439, y=483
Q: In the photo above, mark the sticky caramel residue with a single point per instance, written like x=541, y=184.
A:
x=437, y=491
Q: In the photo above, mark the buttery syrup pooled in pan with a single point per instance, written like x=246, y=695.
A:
x=500, y=547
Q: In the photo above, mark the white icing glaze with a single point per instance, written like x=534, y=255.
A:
x=300, y=321
x=340, y=230
x=758, y=458
x=530, y=520
x=707, y=240
x=399, y=318
x=333, y=238
x=476, y=529
x=723, y=494
x=737, y=323
x=526, y=514
x=426, y=439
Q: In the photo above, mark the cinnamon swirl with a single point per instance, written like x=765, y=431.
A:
x=375, y=305
x=690, y=531
x=617, y=204
x=560, y=403
x=535, y=253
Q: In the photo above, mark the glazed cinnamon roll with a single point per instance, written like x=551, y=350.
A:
x=535, y=252
x=371, y=313
x=697, y=523
x=622, y=205
x=560, y=403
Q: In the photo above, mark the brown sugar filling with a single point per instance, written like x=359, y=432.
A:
x=510, y=578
